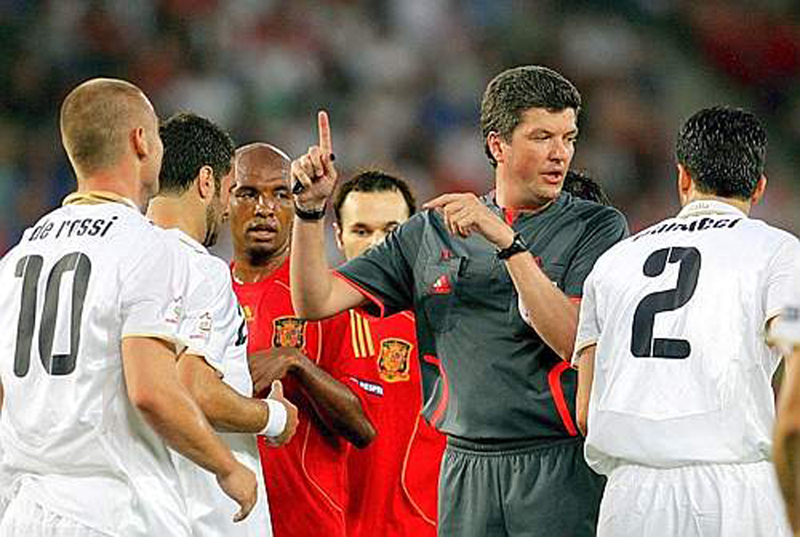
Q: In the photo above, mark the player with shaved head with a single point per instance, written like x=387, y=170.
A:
x=306, y=479
x=92, y=301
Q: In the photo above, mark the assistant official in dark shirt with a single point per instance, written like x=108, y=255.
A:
x=505, y=393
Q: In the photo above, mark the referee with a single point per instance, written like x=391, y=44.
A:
x=499, y=388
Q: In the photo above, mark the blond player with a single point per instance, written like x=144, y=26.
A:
x=91, y=300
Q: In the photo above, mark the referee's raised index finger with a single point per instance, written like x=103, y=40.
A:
x=324, y=127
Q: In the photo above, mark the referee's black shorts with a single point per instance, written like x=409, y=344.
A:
x=513, y=489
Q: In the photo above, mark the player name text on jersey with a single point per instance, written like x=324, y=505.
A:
x=78, y=227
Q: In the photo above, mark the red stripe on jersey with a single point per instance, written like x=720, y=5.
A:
x=575, y=299
x=413, y=502
x=338, y=508
x=440, y=408
x=372, y=298
x=432, y=359
x=554, y=380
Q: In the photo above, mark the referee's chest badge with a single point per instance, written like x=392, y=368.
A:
x=441, y=286
x=289, y=332
x=394, y=360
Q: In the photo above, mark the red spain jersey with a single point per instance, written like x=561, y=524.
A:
x=306, y=478
x=393, y=482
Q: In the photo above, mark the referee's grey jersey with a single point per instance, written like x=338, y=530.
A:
x=486, y=373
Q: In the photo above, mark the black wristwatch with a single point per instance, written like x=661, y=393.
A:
x=303, y=214
x=518, y=245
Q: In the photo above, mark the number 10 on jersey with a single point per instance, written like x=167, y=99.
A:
x=29, y=268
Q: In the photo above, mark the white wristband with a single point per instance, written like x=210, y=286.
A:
x=277, y=419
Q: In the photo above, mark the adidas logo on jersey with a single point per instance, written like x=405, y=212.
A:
x=441, y=286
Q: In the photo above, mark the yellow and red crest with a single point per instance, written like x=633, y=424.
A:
x=394, y=360
x=289, y=332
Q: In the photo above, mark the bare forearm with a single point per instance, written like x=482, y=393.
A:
x=229, y=411
x=310, y=274
x=787, y=458
x=585, y=379
x=316, y=292
x=552, y=314
x=155, y=390
x=336, y=406
x=787, y=439
x=181, y=423
x=225, y=408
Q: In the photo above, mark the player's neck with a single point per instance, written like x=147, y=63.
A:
x=172, y=212
x=742, y=205
x=249, y=270
x=115, y=181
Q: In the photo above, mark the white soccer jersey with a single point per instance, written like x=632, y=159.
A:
x=82, y=279
x=682, y=367
x=786, y=330
x=215, y=328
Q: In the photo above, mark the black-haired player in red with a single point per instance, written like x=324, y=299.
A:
x=392, y=484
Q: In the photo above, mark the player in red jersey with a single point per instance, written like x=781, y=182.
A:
x=393, y=482
x=306, y=478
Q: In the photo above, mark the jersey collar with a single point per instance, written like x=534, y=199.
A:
x=187, y=239
x=96, y=197
x=701, y=207
x=511, y=214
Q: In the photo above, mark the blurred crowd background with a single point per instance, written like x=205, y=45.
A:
x=403, y=79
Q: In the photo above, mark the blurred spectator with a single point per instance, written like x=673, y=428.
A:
x=400, y=79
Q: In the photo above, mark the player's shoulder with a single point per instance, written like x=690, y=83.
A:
x=216, y=272
x=418, y=222
x=590, y=211
x=621, y=250
x=212, y=275
x=770, y=231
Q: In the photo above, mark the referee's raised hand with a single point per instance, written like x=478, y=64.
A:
x=314, y=174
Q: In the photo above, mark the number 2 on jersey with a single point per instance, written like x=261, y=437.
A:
x=29, y=269
x=643, y=345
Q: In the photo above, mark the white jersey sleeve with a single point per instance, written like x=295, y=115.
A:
x=588, y=330
x=152, y=293
x=212, y=323
x=785, y=298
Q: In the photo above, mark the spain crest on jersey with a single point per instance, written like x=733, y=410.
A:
x=289, y=332
x=394, y=360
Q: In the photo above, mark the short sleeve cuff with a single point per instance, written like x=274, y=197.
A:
x=580, y=346
x=147, y=319
x=785, y=331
